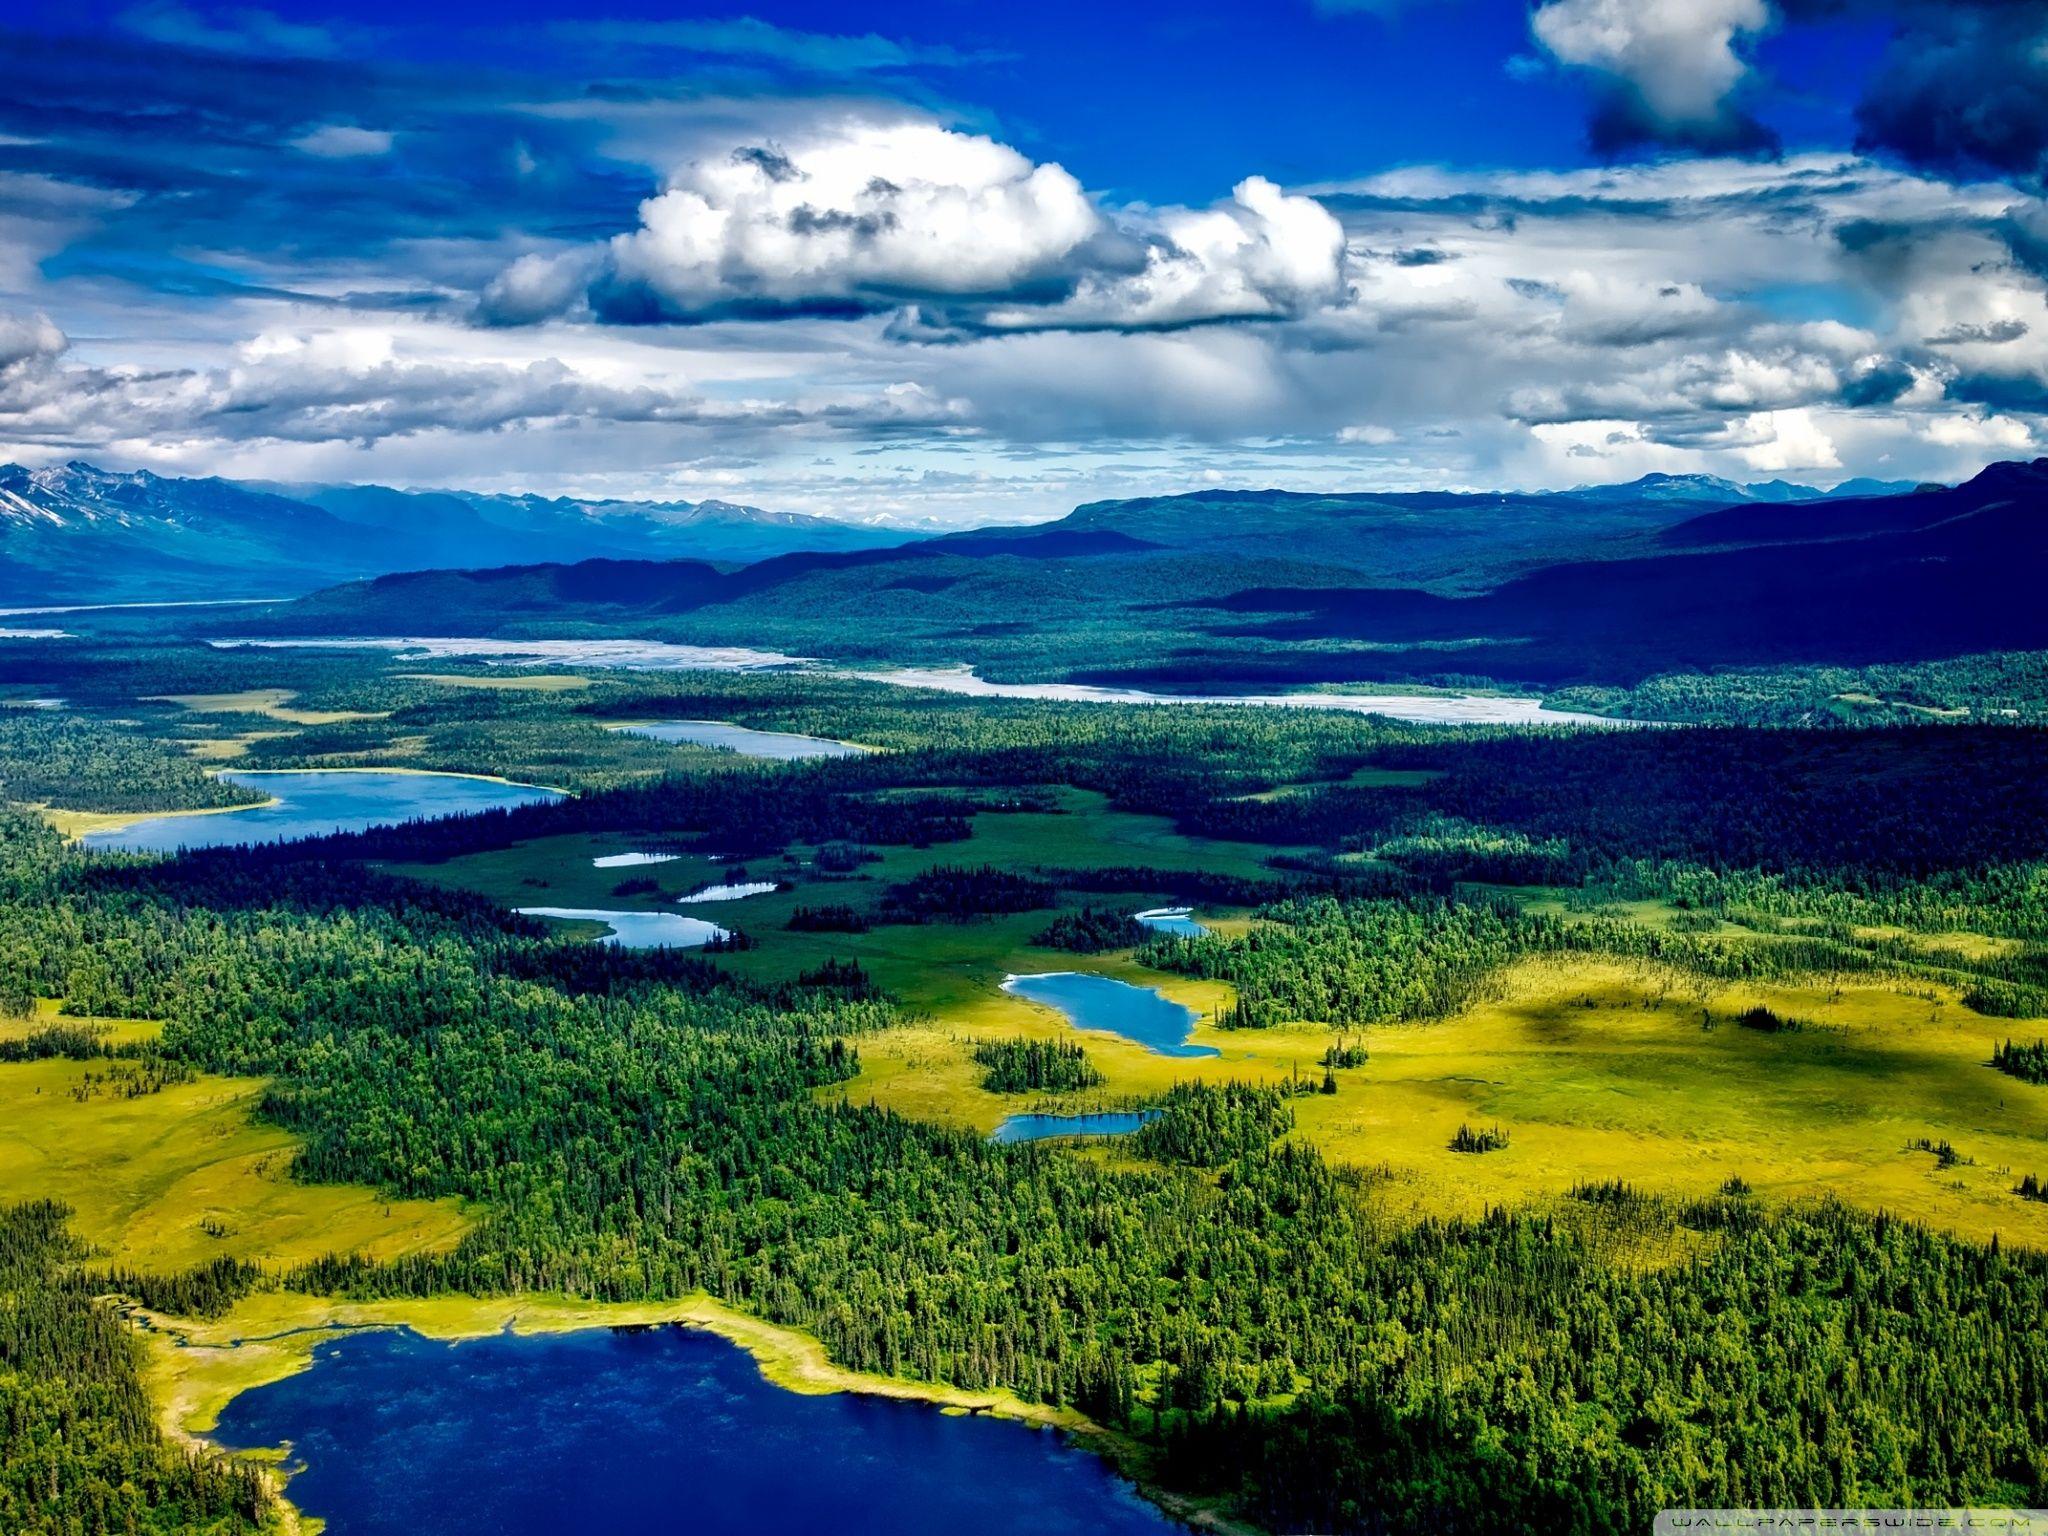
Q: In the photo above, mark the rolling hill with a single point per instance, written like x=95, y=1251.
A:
x=1446, y=541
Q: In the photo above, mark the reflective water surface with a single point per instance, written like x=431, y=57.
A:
x=1100, y=1002
x=664, y=1430
x=314, y=804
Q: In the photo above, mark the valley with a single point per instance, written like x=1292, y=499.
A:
x=1431, y=979
x=962, y=770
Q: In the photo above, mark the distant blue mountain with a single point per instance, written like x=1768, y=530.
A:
x=75, y=532
x=1265, y=588
x=1712, y=490
x=1451, y=541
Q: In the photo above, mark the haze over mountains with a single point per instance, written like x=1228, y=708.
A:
x=77, y=533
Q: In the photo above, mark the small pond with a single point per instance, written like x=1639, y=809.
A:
x=1177, y=922
x=1100, y=1002
x=1049, y=1127
x=728, y=892
x=774, y=746
x=637, y=930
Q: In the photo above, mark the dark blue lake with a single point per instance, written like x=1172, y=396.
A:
x=778, y=746
x=1100, y=1002
x=313, y=804
x=1117, y=1122
x=666, y=1430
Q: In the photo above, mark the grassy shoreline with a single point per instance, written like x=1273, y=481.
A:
x=73, y=825
x=194, y=1369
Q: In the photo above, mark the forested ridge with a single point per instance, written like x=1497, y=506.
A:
x=79, y=1447
x=82, y=764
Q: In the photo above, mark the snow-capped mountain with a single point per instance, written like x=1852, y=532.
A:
x=75, y=532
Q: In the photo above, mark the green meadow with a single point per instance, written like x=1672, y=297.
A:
x=1598, y=1069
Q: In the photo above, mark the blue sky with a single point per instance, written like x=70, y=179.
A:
x=958, y=262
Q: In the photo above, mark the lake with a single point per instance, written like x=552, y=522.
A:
x=1099, y=1002
x=1177, y=922
x=650, y=1430
x=1049, y=1127
x=637, y=930
x=772, y=746
x=313, y=804
x=728, y=892
x=632, y=860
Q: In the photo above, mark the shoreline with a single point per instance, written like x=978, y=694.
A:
x=193, y=1369
x=73, y=825
x=861, y=747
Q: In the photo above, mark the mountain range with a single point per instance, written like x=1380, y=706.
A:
x=78, y=533
x=1262, y=587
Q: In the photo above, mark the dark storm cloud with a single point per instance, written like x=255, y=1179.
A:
x=2001, y=392
x=1621, y=122
x=1962, y=86
x=1992, y=333
x=1880, y=383
x=1968, y=94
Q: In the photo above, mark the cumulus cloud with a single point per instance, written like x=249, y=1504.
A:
x=538, y=286
x=960, y=233
x=1668, y=68
x=27, y=339
x=1263, y=254
x=863, y=217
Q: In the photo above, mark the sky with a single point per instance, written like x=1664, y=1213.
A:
x=952, y=262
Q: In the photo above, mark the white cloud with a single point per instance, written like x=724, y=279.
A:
x=872, y=211
x=1262, y=255
x=538, y=285
x=359, y=385
x=1789, y=442
x=954, y=231
x=1426, y=327
x=1677, y=59
x=343, y=141
x=27, y=339
x=1981, y=430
